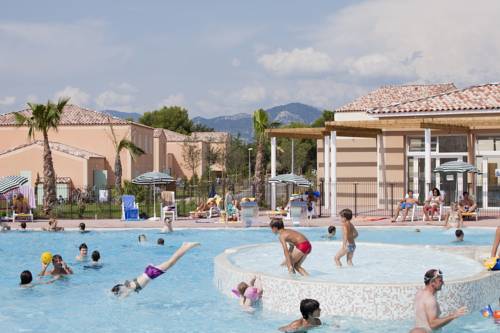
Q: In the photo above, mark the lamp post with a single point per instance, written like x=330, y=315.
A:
x=249, y=167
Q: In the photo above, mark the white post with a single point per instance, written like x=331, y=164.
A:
x=333, y=173
x=415, y=177
x=485, y=182
x=428, y=171
x=326, y=168
x=273, y=172
x=460, y=182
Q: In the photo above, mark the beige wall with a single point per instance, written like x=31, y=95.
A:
x=175, y=161
x=30, y=159
x=143, y=138
x=160, y=154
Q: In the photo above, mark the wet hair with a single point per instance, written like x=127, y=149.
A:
x=56, y=256
x=431, y=275
x=331, y=229
x=116, y=289
x=26, y=277
x=308, y=306
x=141, y=237
x=95, y=255
x=436, y=189
x=83, y=246
x=23, y=225
x=277, y=223
x=346, y=213
x=160, y=241
x=459, y=233
x=82, y=226
x=242, y=286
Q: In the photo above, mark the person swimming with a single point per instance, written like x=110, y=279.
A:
x=95, y=264
x=151, y=272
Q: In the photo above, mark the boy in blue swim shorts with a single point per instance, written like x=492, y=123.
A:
x=405, y=205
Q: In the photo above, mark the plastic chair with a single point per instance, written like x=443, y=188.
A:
x=130, y=209
x=411, y=216
x=169, y=209
x=441, y=206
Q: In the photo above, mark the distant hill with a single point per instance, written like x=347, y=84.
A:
x=123, y=115
x=241, y=123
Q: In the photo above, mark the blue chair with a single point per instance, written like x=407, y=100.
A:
x=130, y=209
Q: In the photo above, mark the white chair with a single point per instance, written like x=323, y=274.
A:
x=411, y=214
x=441, y=206
x=170, y=209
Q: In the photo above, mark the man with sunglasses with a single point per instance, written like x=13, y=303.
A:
x=427, y=311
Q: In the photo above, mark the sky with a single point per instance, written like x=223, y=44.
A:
x=226, y=57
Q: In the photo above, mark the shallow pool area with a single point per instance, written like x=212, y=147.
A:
x=184, y=299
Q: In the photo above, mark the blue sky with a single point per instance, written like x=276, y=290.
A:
x=225, y=57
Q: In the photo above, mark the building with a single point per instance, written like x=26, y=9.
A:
x=83, y=148
x=398, y=135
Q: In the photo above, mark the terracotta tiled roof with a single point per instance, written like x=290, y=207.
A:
x=481, y=97
x=174, y=136
x=389, y=95
x=72, y=115
x=57, y=147
x=211, y=136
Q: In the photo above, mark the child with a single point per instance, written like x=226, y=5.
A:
x=53, y=226
x=349, y=234
x=82, y=228
x=309, y=308
x=160, y=241
x=95, y=264
x=142, y=238
x=454, y=218
x=248, y=293
x=299, y=248
x=167, y=221
x=23, y=226
x=459, y=234
x=331, y=232
x=82, y=256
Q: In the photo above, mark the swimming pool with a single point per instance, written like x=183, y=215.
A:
x=184, y=299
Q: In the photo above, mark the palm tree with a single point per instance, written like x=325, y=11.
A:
x=260, y=124
x=133, y=150
x=42, y=119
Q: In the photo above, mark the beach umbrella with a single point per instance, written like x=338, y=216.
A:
x=290, y=178
x=8, y=183
x=456, y=166
x=153, y=178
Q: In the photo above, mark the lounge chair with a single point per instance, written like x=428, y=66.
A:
x=130, y=209
x=411, y=213
x=168, y=205
x=22, y=217
x=441, y=207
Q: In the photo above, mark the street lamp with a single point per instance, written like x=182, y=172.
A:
x=249, y=167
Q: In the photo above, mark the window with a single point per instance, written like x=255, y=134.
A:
x=453, y=144
x=416, y=144
x=488, y=143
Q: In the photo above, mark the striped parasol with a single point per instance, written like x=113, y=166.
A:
x=290, y=178
x=456, y=166
x=153, y=178
x=9, y=183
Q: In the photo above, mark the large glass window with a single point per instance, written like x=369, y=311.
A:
x=488, y=143
x=453, y=144
x=416, y=144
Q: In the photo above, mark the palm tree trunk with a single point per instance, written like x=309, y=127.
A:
x=118, y=172
x=259, y=180
x=49, y=177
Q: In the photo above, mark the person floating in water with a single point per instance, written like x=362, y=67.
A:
x=459, y=235
x=150, y=273
x=82, y=228
x=299, y=246
x=427, y=312
x=332, y=230
x=142, y=238
x=310, y=310
x=248, y=293
x=82, y=256
x=27, y=280
x=349, y=233
x=95, y=264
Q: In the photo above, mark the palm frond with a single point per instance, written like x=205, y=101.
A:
x=131, y=147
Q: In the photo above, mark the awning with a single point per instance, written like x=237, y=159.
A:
x=9, y=183
x=456, y=166
x=290, y=178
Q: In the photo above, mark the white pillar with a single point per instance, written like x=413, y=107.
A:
x=485, y=182
x=273, y=172
x=460, y=182
x=333, y=173
x=326, y=168
x=428, y=171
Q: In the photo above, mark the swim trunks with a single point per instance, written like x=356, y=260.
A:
x=304, y=247
x=153, y=272
x=351, y=248
x=405, y=205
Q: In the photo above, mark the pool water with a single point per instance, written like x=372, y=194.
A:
x=182, y=300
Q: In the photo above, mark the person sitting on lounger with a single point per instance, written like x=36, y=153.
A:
x=467, y=204
x=20, y=205
x=203, y=208
x=405, y=205
x=432, y=204
x=150, y=273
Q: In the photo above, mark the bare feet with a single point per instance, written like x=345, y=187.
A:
x=338, y=263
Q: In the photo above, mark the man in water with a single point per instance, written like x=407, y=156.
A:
x=427, y=311
x=150, y=273
x=299, y=248
x=60, y=267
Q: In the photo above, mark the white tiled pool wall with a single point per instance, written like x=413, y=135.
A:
x=371, y=301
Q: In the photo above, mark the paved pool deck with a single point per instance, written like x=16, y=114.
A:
x=261, y=221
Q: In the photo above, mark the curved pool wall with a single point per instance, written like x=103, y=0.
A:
x=376, y=301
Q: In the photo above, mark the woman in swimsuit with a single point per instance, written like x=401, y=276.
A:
x=150, y=273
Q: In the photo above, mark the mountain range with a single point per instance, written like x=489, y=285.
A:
x=241, y=123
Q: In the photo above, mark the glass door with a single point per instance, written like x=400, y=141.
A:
x=493, y=181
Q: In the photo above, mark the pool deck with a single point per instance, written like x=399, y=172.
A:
x=261, y=221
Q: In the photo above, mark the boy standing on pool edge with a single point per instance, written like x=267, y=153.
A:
x=348, y=235
x=300, y=246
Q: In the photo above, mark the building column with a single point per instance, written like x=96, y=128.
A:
x=471, y=159
x=326, y=168
x=333, y=173
x=485, y=182
x=381, y=174
x=427, y=170
x=273, y=172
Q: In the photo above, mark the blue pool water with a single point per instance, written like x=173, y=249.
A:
x=182, y=300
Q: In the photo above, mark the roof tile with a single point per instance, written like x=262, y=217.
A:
x=57, y=147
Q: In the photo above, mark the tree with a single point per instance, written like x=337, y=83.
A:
x=260, y=124
x=174, y=118
x=42, y=119
x=325, y=116
x=119, y=145
x=191, y=155
x=304, y=161
x=235, y=158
